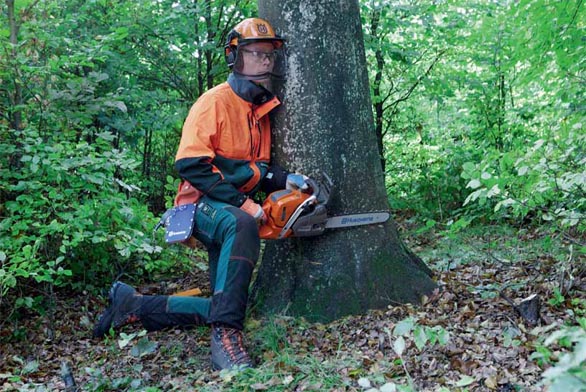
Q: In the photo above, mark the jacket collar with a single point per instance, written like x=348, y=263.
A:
x=262, y=100
x=249, y=91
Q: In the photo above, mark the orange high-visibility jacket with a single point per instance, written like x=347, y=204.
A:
x=225, y=144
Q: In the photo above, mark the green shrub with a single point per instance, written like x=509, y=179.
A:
x=568, y=373
x=69, y=218
x=425, y=178
x=545, y=180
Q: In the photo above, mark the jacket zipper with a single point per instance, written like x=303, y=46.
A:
x=254, y=150
x=259, y=138
x=251, y=138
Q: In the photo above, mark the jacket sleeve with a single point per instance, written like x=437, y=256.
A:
x=196, y=153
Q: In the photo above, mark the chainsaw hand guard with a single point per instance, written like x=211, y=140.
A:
x=321, y=190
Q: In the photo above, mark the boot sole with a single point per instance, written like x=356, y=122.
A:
x=216, y=367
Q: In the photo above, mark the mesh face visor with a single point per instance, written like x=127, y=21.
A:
x=262, y=64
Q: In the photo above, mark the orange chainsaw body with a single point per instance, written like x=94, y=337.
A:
x=278, y=208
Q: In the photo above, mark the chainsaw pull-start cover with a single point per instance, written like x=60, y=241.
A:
x=278, y=207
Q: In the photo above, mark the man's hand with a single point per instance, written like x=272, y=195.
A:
x=254, y=210
x=297, y=181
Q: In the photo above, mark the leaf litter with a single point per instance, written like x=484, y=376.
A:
x=489, y=346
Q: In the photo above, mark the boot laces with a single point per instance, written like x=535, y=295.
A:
x=232, y=343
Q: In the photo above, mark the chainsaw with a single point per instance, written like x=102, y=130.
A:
x=296, y=213
x=290, y=213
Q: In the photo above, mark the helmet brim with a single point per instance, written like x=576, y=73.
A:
x=277, y=42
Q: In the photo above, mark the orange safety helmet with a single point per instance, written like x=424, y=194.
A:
x=248, y=31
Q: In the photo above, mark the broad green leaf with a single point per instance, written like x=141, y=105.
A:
x=399, y=345
x=125, y=339
x=143, y=347
x=30, y=367
x=388, y=387
x=420, y=337
x=473, y=184
x=404, y=327
x=522, y=170
x=443, y=336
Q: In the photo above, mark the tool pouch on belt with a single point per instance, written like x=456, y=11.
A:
x=179, y=223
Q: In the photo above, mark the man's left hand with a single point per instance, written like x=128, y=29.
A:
x=298, y=181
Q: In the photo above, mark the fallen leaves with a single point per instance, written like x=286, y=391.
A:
x=488, y=349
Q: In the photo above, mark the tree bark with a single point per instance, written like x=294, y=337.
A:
x=326, y=125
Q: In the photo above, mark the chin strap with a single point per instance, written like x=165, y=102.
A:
x=263, y=76
x=266, y=75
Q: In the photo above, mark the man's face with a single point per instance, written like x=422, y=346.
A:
x=258, y=58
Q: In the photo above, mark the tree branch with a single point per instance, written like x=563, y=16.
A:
x=417, y=82
x=573, y=16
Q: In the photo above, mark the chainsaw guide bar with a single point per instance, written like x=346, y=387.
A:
x=369, y=218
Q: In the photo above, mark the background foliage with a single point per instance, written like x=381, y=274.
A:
x=93, y=99
x=479, y=108
x=483, y=108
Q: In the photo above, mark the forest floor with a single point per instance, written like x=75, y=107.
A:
x=465, y=337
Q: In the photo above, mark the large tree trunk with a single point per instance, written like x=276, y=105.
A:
x=326, y=125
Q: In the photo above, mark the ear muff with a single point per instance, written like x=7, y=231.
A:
x=230, y=55
x=231, y=48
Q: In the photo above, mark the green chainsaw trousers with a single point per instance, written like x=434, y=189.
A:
x=231, y=238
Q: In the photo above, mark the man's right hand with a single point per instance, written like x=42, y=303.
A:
x=254, y=210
